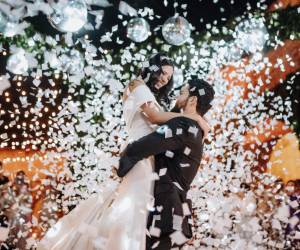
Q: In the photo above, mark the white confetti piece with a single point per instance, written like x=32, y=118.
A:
x=169, y=154
x=155, y=231
x=155, y=245
x=159, y=208
x=297, y=233
x=126, y=9
x=294, y=204
x=154, y=68
x=201, y=92
x=4, y=83
x=178, y=238
x=177, y=222
x=186, y=210
x=293, y=221
x=168, y=133
x=4, y=233
x=177, y=185
x=187, y=151
x=179, y=131
x=193, y=130
x=162, y=171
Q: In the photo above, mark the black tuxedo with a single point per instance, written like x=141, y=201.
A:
x=177, y=147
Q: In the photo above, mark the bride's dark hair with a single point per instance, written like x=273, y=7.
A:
x=150, y=74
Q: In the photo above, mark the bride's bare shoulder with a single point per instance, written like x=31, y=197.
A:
x=131, y=86
x=135, y=83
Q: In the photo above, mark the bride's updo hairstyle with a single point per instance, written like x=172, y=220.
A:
x=150, y=73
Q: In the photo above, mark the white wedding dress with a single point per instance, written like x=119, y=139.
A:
x=113, y=219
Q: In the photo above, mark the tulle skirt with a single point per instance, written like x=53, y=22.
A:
x=113, y=219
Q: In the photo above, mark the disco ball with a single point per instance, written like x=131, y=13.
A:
x=3, y=21
x=17, y=63
x=69, y=16
x=176, y=30
x=138, y=29
x=73, y=62
x=251, y=35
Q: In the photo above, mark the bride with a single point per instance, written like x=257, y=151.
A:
x=117, y=220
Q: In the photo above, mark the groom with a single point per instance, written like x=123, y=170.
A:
x=177, y=147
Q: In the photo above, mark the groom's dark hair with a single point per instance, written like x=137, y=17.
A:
x=204, y=93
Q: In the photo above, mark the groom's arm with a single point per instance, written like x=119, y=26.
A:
x=175, y=109
x=168, y=137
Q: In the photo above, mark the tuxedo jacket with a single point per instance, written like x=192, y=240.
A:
x=177, y=147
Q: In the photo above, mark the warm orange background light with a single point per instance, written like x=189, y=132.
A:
x=285, y=158
x=274, y=75
x=38, y=168
x=286, y=165
x=36, y=173
x=283, y=4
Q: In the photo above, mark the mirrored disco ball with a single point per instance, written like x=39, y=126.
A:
x=251, y=35
x=3, y=21
x=17, y=63
x=69, y=16
x=72, y=62
x=176, y=30
x=138, y=29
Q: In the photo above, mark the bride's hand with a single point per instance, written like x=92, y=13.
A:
x=206, y=129
x=114, y=174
